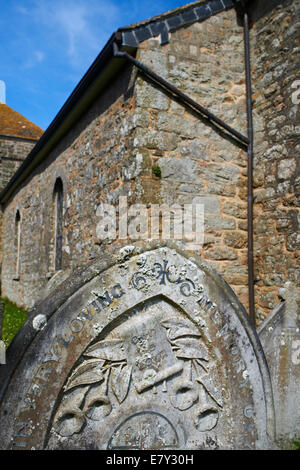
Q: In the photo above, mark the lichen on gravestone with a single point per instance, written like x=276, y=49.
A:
x=291, y=295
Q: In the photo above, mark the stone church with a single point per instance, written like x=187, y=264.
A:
x=198, y=105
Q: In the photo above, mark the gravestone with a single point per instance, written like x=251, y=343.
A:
x=147, y=348
x=280, y=337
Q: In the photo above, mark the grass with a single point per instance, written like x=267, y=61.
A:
x=297, y=445
x=14, y=318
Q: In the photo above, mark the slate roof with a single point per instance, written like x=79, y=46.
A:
x=162, y=24
x=13, y=124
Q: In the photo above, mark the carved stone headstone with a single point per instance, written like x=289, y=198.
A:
x=151, y=351
x=280, y=337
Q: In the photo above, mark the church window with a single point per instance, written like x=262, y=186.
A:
x=17, y=243
x=58, y=223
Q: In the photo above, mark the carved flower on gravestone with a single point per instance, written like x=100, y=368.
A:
x=152, y=352
x=87, y=373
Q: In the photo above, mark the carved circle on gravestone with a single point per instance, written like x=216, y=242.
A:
x=148, y=430
x=153, y=352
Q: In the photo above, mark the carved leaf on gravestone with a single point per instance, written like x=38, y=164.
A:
x=205, y=379
x=120, y=382
x=189, y=348
x=177, y=328
x=87, y=373
x=108, y=350
x=149, y=352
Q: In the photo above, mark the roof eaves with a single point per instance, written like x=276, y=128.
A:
x=97, y=76
x=129, y=38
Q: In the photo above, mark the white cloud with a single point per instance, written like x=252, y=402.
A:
x=81, y=27
x=35, y=58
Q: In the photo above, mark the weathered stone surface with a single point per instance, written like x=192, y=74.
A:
x=153, y=139
x=236, y=239
x=150, y=97
x=280, y=337
x=211, y=204
x=16, y=149
x=55, y=280
x=275, y=52
x=268, y=300
x=286, y=168
x=193, y=148
x=145, y=349
x=220, y=253
x=182, y=169
x=219, y=223
x=135, y=125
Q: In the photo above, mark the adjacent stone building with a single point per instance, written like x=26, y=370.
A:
x=123, y=134
x=18, y=136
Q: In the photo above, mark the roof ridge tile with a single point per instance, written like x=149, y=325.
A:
x=132, y=35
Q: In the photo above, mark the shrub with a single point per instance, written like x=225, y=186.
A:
x=157, y=171
x=13, y=319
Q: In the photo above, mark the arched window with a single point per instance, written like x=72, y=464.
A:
x=58, y=223
x=17, y=242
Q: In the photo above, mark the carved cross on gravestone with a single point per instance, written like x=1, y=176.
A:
x=291, y=295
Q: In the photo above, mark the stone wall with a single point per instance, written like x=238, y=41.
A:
x=98, y=161
x=17, y=150
x=275, y=60
x=90, y=162
x=198, y=163
x=135, y=126
x=14, y=148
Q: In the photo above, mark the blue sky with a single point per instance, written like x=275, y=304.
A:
x=48, y=45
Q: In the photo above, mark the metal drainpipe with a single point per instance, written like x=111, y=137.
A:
x=248, y=141
x=250, y=166
x=180, y=95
